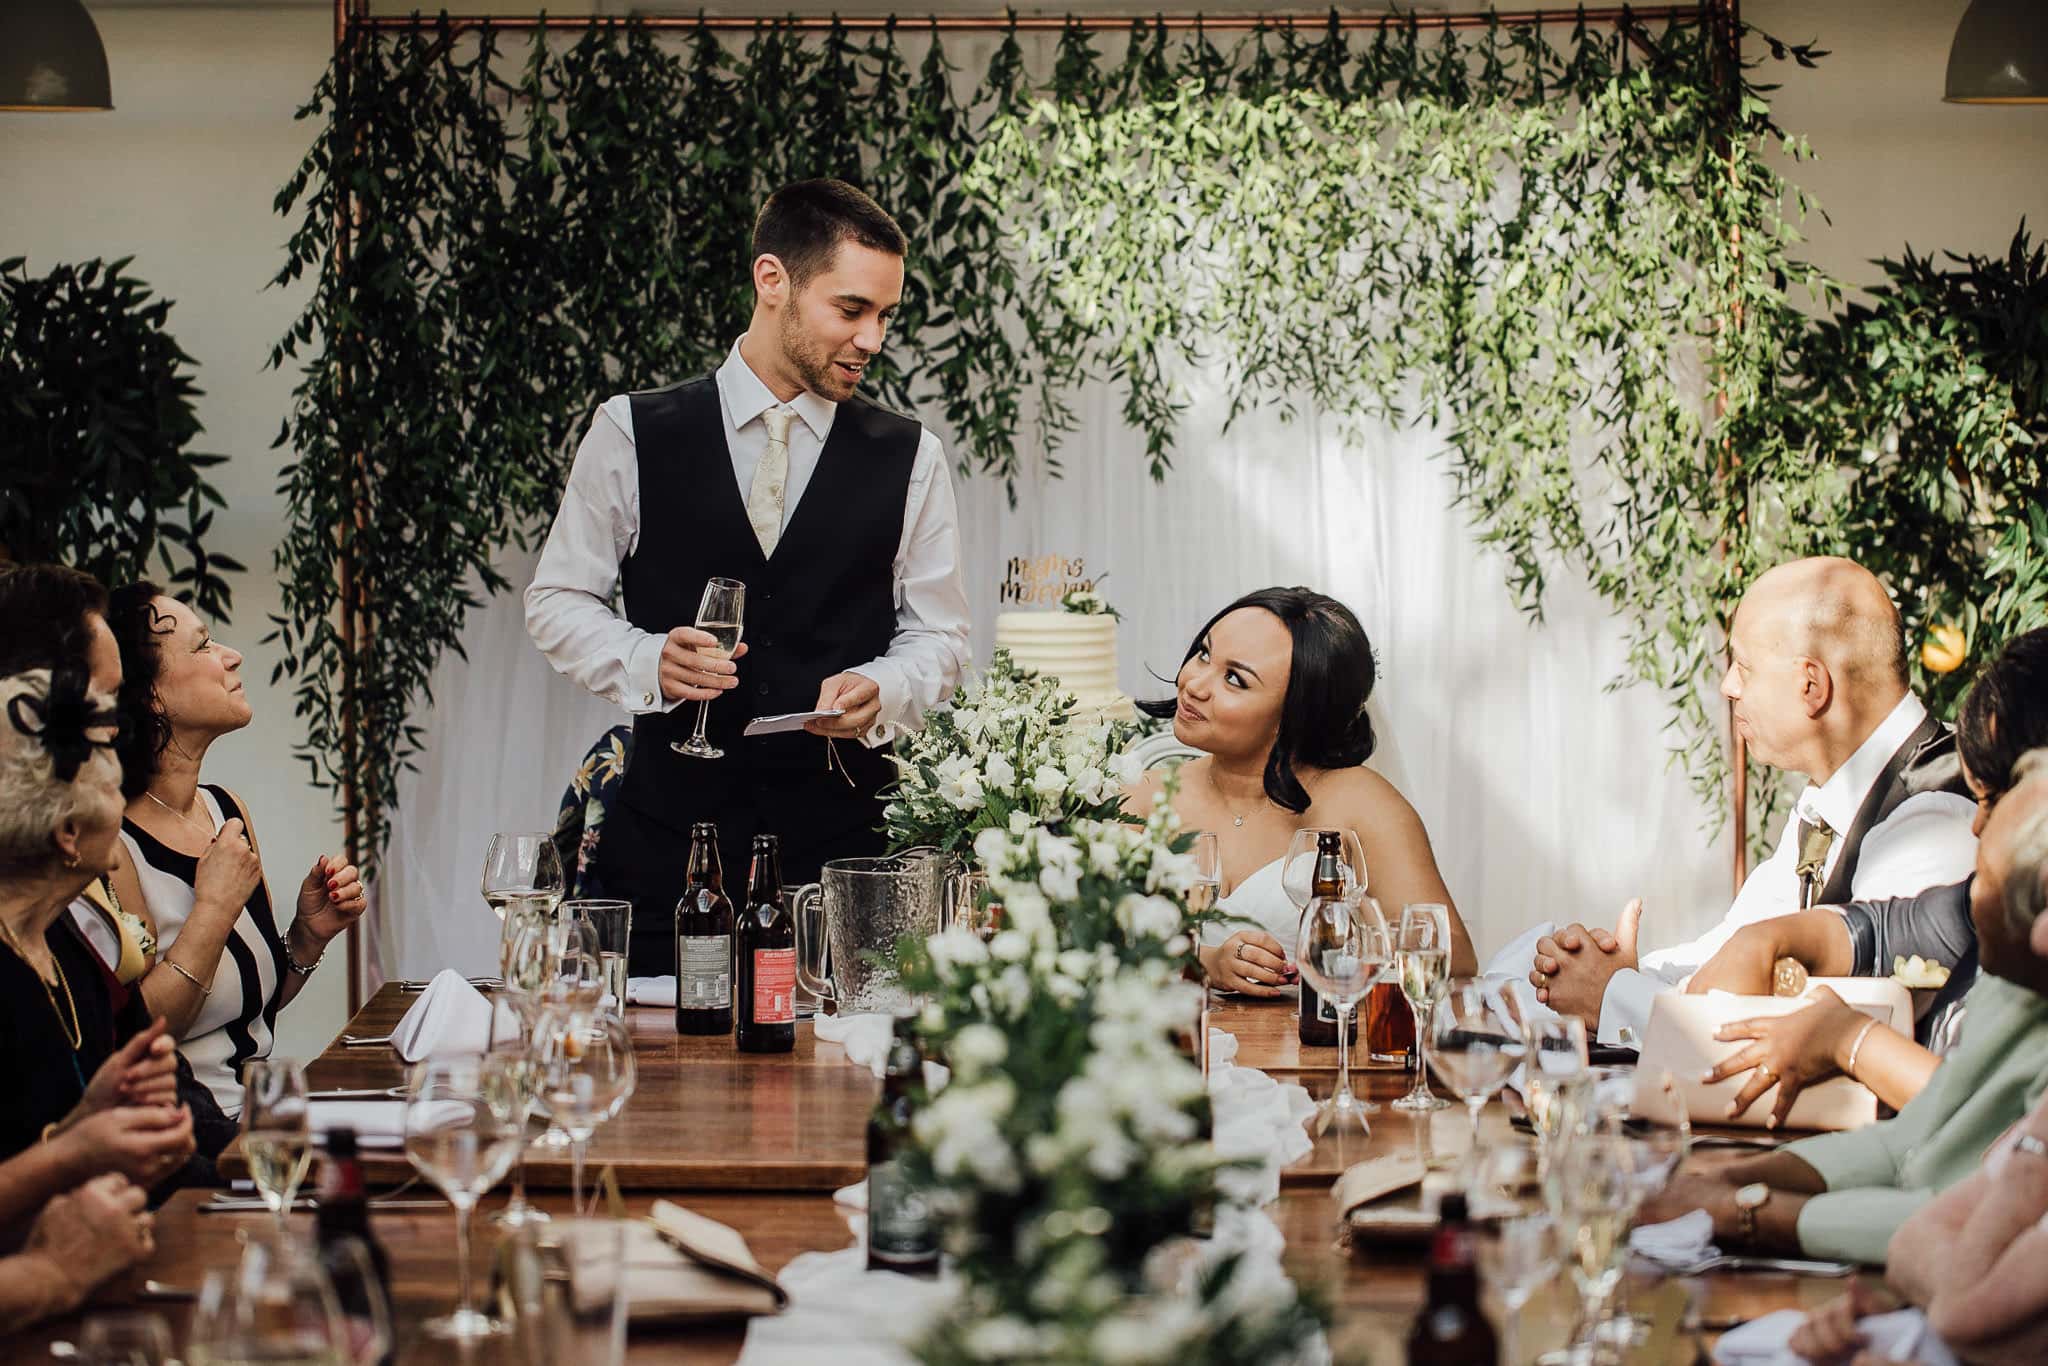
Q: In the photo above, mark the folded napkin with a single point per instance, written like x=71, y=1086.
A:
x=1677, y=1242
x=854, y=1197
x=450, y=1017
x=864, y=1037
x=651, y=991
x=1900, y=1336
x=841, y=1312
x=1256, y=1117
x=378, y=1123
x=679, y=1267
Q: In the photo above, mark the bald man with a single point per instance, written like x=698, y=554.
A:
x=1817, y=682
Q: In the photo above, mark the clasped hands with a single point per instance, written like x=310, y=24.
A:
x=694, y=669
x=1574, y=964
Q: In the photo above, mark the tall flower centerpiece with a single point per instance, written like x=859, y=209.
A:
x=1008, y=752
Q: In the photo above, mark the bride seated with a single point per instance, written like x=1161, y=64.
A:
x=1273, y=693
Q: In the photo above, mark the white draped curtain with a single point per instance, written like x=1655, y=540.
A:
x=1545, y=796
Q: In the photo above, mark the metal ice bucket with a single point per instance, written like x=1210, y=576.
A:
x=848, y=922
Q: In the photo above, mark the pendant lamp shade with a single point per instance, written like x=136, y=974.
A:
x=51, y=58
x=2000, y=54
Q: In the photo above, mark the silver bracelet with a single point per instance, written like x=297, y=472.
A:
x=175, y=966
x=1857, y=1047
x=291, y=959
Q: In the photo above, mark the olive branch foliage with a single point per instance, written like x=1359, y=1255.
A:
x=1524, y=236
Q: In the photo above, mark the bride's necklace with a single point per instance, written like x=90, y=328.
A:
x=203, y=829
x=1216, y=787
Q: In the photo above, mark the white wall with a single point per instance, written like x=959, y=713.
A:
x=182, y=173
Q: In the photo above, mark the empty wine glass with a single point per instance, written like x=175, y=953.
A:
x=1422, y=957
x=509, y=1078
x=275, y=1304
x=522, y=867
x=124, y=1340
x=1555, y=1087
x=455, y=1139
x=1473, y=1049
x=1298, y=869
x=1342, y=949
x=720, y=613
x=1520, y=1255
x=1592, y=1192
x=585, y=1073
x=276, y=1139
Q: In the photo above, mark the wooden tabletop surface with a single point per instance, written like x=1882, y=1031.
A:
x=760, y=1142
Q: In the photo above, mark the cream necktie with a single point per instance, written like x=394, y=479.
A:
x=764, y=500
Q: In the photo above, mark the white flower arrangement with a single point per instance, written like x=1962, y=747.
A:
x=1009, y=750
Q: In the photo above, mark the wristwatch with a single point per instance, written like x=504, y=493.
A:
x=1748, y=1201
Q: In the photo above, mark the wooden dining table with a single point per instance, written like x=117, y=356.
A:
x=760, y=1143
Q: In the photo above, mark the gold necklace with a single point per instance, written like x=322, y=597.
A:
x=206, y=830
x=74, y=1033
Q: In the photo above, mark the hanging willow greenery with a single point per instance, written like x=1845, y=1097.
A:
x=1529, y=241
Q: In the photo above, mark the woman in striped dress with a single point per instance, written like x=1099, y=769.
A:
x=224, y=966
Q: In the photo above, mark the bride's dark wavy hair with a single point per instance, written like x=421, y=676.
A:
x=1322, y=719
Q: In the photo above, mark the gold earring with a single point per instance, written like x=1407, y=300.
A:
x=71, y=860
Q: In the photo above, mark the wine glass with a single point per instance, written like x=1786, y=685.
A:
x=359, y=1296
x=1519, y=1257
x=1555, y=1088
x=509, y=1078
x=1422, y=955
x=585, y=1073
x=1207, y=888
x=455, y=1139
x=275, y=1304
x=1473, y=1049
x=522, y=867
x=1298, y=870
x=275, y=1135
x=1592, y=1195
x=124, y=1340
x=1342, y=948
x=720, y=613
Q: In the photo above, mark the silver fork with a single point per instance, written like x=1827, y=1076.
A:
x=1790, y=1266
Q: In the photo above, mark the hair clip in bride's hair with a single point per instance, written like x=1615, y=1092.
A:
x=60, y=720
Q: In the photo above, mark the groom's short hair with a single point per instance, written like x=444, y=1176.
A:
x=802, y=225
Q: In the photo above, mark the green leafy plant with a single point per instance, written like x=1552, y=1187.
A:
x=96, y=418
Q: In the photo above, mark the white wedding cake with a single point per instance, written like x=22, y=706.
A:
x=1077, y=648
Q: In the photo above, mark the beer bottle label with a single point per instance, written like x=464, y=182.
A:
x=899, y=1218
x=706, y=972
x=774, y=986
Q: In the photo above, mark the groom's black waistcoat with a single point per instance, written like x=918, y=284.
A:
x=1926, y=762
x=823, y=602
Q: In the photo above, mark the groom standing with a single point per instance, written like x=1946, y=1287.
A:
x=836, y=514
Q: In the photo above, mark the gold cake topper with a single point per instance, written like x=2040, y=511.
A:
x=1045, y=579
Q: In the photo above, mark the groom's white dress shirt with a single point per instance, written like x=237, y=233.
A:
x=568, y=605
x=1925, y=842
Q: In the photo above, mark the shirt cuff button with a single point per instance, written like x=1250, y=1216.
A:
x=647, y=699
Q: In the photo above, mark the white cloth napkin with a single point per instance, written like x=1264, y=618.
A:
x=841, y=1312
x=1677, y=1242
x=449, y=1018
x=864, y=1037
x=651, y=991
x=378, y=1123
x=1900, y=1336
x=1257, y=1117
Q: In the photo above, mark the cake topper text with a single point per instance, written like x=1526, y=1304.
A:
x=1045, y=579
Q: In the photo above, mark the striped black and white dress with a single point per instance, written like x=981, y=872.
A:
x=235, y=1023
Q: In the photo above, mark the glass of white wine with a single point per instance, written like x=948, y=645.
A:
x=1592, y=1193
x=1422, y=956
x=522, y=867
x=720, y=615
x=455, y=1138
x=276, y=1138
x=1207, y=888
x=1342, y=948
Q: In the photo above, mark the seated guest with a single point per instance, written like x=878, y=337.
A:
x=2004, y=716
x=1844, y=1195
x=1817, y=682
x=80, y=1101
x=80, y=1240
x=194, y=871
x=1273, y=692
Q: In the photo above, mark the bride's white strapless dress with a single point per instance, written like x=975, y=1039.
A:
x=1261, y=899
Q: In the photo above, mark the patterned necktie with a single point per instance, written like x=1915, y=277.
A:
x=1816, y=837
x=764, y=500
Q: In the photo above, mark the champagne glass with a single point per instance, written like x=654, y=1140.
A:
x=586, y=1072
x=1422, y=956
x=1343, y=949
x=124, y=1340
x=275, y=1136
x=509, y=1078
x=522, y=867
x=1555, y=1088
x=1519, y=1257
x=455, y=1139
x=1207, y=888
x=1298, y=870
x=720, y=613
x=1472, y=1048
x=276, y=1304
x=1592, y=1194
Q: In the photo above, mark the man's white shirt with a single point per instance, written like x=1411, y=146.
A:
x=568, y=604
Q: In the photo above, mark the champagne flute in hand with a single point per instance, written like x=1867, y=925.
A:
x=720, y=613
x=275, y=1136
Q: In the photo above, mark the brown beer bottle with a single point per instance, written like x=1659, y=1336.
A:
x=704, y=941
x=764, y=958
x=1451, y=1330
x=903, y=1229
x=1317, y=1020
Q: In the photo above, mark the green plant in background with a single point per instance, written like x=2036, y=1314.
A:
x=1527, y=241
x=96, y=417
x=1928, y=401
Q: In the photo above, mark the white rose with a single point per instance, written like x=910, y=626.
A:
x=1049, y=783
x=998, y=773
